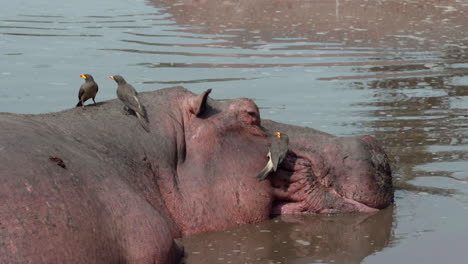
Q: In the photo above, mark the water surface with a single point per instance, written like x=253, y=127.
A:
x=396, y=70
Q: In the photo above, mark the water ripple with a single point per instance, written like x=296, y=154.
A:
x=255, y=65
x=48, y=35
x=199, y=81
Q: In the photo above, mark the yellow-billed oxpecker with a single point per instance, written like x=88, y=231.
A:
x=276, y=154
x=129, y=97
x=88, y=90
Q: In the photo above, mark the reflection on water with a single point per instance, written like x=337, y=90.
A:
x=296, y=239
x=393, y=69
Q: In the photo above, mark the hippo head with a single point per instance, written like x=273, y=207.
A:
x=222, y=146
x=220, y=149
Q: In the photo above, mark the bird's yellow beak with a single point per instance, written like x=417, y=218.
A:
x=111, y=77
x=83, y=76
x=278, y=134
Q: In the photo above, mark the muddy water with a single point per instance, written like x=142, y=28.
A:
x=393, y=69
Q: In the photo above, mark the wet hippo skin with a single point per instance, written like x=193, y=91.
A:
x=92, y=186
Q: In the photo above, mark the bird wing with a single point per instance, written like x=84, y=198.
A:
x=93, y=88
x=279, y=150
x=81, y=92
x=129, y=96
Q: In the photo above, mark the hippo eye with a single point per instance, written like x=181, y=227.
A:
x=251, y=113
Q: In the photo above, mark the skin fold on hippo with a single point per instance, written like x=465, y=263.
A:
x=94, y=187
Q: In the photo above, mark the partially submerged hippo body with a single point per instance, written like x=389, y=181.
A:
x=91, y=186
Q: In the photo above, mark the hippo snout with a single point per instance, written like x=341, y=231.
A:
x=360, y=172
x=325, y=174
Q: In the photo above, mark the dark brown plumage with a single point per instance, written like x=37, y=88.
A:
x=129, y=97
x=88, y=90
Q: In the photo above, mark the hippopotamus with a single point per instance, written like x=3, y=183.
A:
x=92, y=186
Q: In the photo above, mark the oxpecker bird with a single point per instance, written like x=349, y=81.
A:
x=88, y=90
x=129, y=97
x=276, y=154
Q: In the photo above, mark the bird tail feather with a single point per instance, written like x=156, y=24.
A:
x=143, y=122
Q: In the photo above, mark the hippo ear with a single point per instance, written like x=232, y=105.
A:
x=197, y=103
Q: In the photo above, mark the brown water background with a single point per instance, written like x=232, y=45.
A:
x=396, y=70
